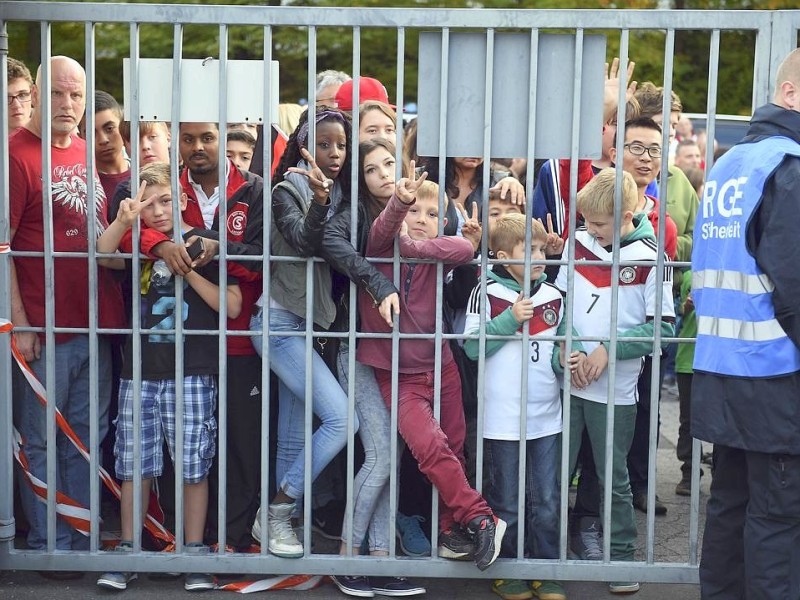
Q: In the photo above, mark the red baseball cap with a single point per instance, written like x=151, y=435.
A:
x=368, y=89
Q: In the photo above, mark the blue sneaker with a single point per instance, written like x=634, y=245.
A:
x=412, y=539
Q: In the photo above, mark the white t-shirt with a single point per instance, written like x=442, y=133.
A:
x=591, y=307
x=502, y=382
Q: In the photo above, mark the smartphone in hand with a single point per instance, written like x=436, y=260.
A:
x=196, y=248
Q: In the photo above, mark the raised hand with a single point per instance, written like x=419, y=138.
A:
x=611, y=93
x=320, y=184
x=130, y=208
x=555, y=243
x=406, y=189
x=471, y=228
x=509, y=188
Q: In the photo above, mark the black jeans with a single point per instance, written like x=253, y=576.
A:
x=640, y=447
x=750, y=544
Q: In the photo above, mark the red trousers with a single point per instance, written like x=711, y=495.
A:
x=437, y=447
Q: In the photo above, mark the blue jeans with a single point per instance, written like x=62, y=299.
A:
x=72, y=399
x=371, y=484
x=329, y=402
x=501, y=459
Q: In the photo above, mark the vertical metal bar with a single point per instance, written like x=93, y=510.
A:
x=782, y=39
x=222, y=323
x=354, y=162
x=47, y=213
x=177, y=58
x=711, y=108
x=445, y=69
x=136, y=320
x=762, y=75
x=6, y=413
x=265, y=291
x=655, y=379
x=309, y=332
x=92, y=191
x=487, y=152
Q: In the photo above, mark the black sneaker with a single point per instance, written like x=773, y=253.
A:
x=487, y=534
x=327, y=520
x=357, y=585
x=395, y=586
x=455, y=543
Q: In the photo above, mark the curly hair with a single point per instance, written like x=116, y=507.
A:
x=651, y=100
x=299, y=139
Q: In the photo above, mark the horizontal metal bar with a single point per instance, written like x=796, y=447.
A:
x=385, y=17
x=161, y=562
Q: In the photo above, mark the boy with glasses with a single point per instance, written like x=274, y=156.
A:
x=20, y=106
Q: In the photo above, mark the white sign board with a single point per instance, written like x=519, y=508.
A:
x=245, y=81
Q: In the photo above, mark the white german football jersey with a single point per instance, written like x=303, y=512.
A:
x=502, y=383
x=591, y=307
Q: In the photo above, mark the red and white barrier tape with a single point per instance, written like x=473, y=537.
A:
x=79, y=517
x=280, y=582
x=71, y=511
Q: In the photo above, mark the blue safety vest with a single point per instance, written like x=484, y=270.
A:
x=737, y=332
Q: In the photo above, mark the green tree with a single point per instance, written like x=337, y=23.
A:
x=334, y=47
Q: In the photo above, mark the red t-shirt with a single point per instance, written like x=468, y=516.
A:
x=70, y=234
x=110, y=181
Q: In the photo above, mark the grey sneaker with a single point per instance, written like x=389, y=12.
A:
x=198, y=582
x=114, y=580
x=623, y=587
x=117, y=580
x=586, y=541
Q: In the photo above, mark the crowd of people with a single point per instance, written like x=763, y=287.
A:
x=439, y=224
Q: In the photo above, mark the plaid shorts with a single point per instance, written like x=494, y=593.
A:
x=158, y=423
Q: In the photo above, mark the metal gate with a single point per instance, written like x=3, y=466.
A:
x=775, y=32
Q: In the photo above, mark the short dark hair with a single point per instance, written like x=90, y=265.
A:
x=685, y=143
x=640, y=123
x=240, y=135
x=105, y=101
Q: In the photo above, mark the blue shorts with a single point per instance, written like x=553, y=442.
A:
x=158, y=423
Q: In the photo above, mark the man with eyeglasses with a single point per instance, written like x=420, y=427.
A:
x=20, y=83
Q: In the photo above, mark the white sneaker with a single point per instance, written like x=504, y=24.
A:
x=282, y=539
x=255, y=531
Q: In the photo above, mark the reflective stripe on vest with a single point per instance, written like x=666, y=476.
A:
x=737, y=332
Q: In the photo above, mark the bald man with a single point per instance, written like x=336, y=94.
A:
x=69, y=225
x=746, y=383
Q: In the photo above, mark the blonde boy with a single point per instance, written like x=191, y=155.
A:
x=593, y=293
x=153, y=204
x=413, y=211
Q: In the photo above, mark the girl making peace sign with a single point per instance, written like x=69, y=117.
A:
x=306, y=192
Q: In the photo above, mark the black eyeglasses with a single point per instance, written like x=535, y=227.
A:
x=22, y=98
x=639, y=149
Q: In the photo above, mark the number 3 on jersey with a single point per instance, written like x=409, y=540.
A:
x=534, y=351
